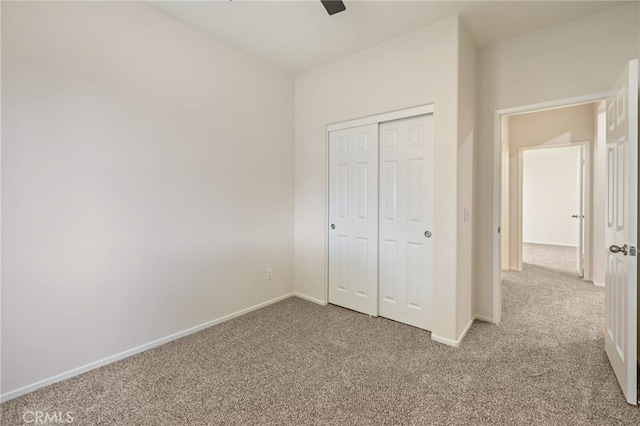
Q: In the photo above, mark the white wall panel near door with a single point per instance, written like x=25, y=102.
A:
x=406, y=220
x=353, y=218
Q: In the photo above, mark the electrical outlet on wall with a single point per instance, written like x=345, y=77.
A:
x=269, y=273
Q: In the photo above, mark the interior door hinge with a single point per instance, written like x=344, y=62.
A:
x=498, y=229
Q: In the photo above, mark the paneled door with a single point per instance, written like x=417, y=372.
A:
x=406, y=220
x=621, y=301
x=353, y=218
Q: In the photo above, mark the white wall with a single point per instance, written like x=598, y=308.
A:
x=550, y=196
x=576, y=58
x=416, y=69
x=559, y=126
x=147, y=182
x=466, y=138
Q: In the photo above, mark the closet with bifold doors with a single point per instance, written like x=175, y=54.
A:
x=381, y=216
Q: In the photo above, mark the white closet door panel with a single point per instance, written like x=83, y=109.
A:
x=353, y=218
x=406, y=213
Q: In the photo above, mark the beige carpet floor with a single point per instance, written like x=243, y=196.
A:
x=297, y=363
x=559, y=258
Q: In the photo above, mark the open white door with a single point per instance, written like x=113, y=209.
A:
x=621, y=235
x=581, y=210
x=353, y=218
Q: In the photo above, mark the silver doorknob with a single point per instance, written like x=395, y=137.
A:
x=617, y=249
x=427, y=234
x=575, y=216
x=333, y=226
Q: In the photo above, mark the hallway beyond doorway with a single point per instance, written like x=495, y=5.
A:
x=558, y=258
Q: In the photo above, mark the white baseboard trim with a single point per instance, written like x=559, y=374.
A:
x=113, y=358
x=598, y=284
x=454, y=343
x=466, y=330
x=483, y=318
x=550, y=244
x=446, y=341
x=310, y=299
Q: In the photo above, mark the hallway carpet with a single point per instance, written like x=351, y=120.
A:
x=560, y=258
x=297, y=363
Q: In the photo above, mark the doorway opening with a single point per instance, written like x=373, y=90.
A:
x=554, y=196
x=579, y=121
x=615, y=156
x=553, y=189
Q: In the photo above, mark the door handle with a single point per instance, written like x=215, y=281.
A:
x=617, y=249
x=575, y=216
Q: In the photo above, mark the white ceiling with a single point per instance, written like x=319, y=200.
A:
x=299, y=35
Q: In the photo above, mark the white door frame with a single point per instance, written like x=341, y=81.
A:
x=373, y=119
x=517, y=227
x=497, y=171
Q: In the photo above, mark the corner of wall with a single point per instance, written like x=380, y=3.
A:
x=466, y=114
